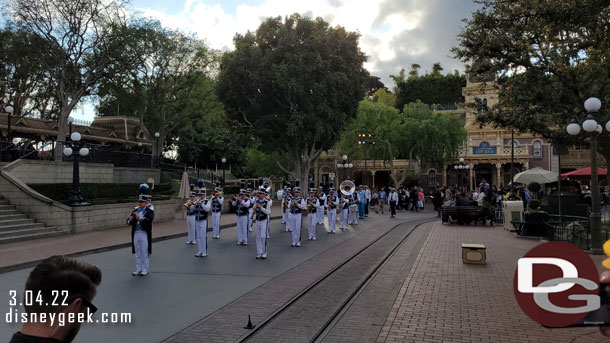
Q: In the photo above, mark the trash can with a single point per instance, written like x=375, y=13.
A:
x=513, y=211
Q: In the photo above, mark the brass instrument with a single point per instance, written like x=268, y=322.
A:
x=347, y=187
x=187, y=204
x=309, y=204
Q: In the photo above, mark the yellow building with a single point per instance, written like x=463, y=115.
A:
x=487, y=151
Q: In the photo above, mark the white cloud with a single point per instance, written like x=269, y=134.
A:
x=394, y=33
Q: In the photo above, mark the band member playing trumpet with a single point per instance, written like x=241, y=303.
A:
x=202, y=207
x=322, y=197
x=313, y=205
x=343, y=210
x=242, y=203
x=262, y=210
x=297, y=204
x=217, y=200
x=332, y=201
x=190, y=218
x=252, y=199
x=286, y=200
x=141, y=220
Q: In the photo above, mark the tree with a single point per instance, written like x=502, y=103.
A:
x=170, y=86
x=433, y=88
x=415, y=134
x=294, y=84
x=384, y=97
x=24, y=81
x=82, y=42
x=374, y=85
x=550, y=56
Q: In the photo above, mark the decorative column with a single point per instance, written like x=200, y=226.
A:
x=471, y=176
x=498, y=173
x=445, y=175
x=373, y=176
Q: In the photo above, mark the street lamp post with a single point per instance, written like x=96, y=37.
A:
x=153, y=156
x=9, y=111
x=76, y=198
x=592, y=105
x=459, y=167
x=224, y=161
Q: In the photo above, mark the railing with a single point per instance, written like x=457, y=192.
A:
x=575, y=230
x=12, y=152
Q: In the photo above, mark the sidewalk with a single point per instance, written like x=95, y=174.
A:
x=27, y=253
x=443, y=299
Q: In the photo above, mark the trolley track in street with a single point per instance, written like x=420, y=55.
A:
x=311, y=314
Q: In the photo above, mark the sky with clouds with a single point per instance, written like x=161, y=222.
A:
x=394, y=33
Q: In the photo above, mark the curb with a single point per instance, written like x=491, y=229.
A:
x=24, y=265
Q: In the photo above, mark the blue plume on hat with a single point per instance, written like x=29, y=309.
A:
x=192, y=186
x=332, y=183
x=144, y=188
x=217, y=182
x=297, y=182
x=312, y=184
x=249, y=184
x=200, y=183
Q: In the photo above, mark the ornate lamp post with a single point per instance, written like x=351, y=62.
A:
x=459, y=167
x=153, y=156
x=592, y=106
x=76, y=199
x=224, y=161
x=9, y=110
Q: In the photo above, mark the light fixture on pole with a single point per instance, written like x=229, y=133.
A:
x=153, y=157
x=224, y=161
x=593, y=128
x=9, y=110
x=76, y=198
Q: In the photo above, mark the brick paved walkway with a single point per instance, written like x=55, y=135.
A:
x=19, y=255
x=444, y=300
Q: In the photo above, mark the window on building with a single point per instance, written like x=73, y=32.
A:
x=432, y=178
x=537, y=149
x=515, y=143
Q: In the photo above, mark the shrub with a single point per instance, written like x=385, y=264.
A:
x=100, y=192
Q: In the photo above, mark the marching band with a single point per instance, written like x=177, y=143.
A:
x=252, y=207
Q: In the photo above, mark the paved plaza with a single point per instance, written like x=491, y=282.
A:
x=422, y=292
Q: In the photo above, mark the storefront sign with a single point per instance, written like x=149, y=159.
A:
x=484, y=149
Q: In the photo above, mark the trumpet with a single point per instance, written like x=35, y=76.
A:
x=309, y=204
x=187, y=204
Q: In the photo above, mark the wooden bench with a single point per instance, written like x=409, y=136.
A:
x=466, y=214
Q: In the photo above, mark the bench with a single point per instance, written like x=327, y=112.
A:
x=466, y=214
x=534, y=224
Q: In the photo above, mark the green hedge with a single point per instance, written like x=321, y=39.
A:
x=98, y=193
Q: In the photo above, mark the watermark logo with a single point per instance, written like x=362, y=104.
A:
x=556, y=284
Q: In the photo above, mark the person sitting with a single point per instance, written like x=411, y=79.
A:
x=462, y=200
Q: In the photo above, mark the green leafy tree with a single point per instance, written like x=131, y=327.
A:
x=415, y=134
x=433, y=88
x=81, y=42
x=550, y=56
x=170, y=87
x=24, y=81
x=294, y=84
x=382, y=96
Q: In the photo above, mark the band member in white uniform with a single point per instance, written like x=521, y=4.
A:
x=344, y=211
x=190, y=219
x=252, y=199
x=297, y=205
x=352, y=218
x=216, y=212
x=243, y=204
x=286, y=200
x=332, y=201
x=262, y=210
x=322, y=198
x=284, y=194
x=202, y=208
x=141, y=219
x=313, y=204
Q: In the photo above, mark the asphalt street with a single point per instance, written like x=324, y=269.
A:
x=181, y=288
